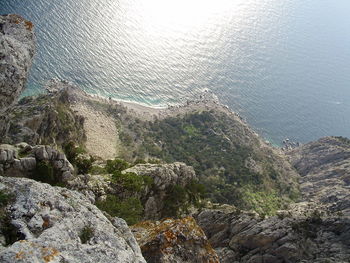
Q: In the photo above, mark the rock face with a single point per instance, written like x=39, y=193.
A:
x=164, y=176
x=170, y=240
x=324, y=166
x=14, y=166
x=315, y=230
x=46, y=119
x=17, y=47
x=310, y=236
x=52, y=223
x=152, y=197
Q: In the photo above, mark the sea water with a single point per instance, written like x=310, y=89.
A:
x=284, y=65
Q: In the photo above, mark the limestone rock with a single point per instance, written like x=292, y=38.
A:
x=44, y=119
x=170, y=240
x=325, y=169
x=17, y=48
x=15, y=166
x=306, y=237
x=51, y=220
x=164, y=176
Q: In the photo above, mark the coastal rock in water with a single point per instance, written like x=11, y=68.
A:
x=170, y=240
x=17, y=48
x=54, y=224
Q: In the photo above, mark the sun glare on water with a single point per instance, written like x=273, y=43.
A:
x=171, y=16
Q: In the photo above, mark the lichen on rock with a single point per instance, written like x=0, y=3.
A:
x=174, y=240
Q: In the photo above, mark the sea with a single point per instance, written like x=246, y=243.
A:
x=283, y=65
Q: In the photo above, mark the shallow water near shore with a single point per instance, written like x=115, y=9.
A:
x=282, y=65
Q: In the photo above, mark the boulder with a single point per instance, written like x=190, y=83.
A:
x=54, y=224
x=174, y=240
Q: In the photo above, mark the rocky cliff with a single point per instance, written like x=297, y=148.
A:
x=45, y=119
x=315, y=230
x=324, y=166
x=17, y=47
x=42, y=223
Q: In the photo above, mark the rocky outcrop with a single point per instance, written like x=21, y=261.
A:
x=54, y=224
x=17, y=47
x=46, y=119
x=324, y=166
x=309, y=235
x=315, y=230
x=164, y=176
x=13, y=165
x=170, y=240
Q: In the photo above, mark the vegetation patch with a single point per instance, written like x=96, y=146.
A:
x=178, y=198
x=86, y=234
x=129, y=209
x=77, y=156
x=8, y=230
x=218, y=147
x=45, y=173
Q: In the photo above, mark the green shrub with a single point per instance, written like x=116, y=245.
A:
x=5, y=198
x=129, y=209
x=72, y=151
x=131, y=181
x=97, y=170
x=175, y=201
x=116, y=165
x=86, y=234
x=44, y=173
x=75, y=155
x=9, y=231
x=83, y=164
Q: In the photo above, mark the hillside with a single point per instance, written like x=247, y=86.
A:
x=83, y=178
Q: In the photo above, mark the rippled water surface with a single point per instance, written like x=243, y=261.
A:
x=284, y=65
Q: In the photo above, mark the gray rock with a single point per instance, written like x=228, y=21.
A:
x=17, y=48
x=325, y=169
x=51, y=221
x=163, y=175
x=28, y=163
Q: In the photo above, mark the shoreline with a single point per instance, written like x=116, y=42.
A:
x=205, y=101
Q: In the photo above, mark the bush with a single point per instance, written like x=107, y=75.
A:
x=116, y=165
x=5, y=198
x=86, y=234
x=131, y=181
x=44, y=173
x=9, y=231
x=129, y=209
x=83, y=164
x=72, y=151
x=97, y=170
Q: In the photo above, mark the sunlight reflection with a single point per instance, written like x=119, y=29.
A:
x=169, y=16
